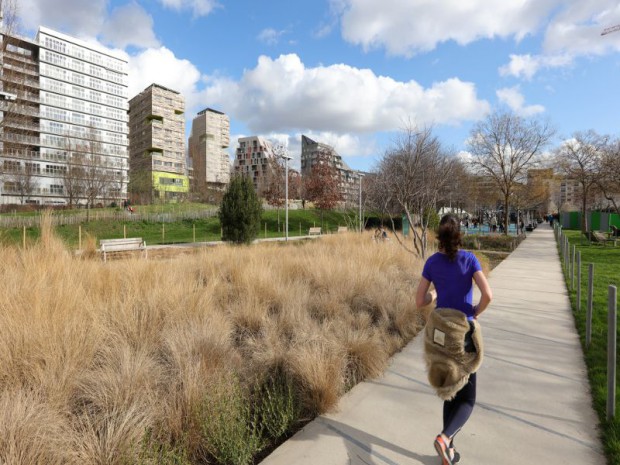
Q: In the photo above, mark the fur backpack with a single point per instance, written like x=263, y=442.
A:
x=448, y=363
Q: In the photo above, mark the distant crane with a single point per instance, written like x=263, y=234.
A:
x=610, y=29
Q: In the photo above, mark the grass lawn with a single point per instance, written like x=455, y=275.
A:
x=199, y=230
x=606, y=260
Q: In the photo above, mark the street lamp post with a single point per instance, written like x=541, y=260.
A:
x=360, y=203
x=286, y=159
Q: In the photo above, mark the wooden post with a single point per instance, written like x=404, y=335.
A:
x=80, y=237
x=194, y=232
x=24, y=237
x=589, y=308
x=300, y=228
x=578, y=280
x=163, y=232
x=265, y=230
x=612, y=306
x=124, y=231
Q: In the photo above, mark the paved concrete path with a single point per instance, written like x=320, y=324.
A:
x=534, y=403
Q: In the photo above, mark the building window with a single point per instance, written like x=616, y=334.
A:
x=56, y=189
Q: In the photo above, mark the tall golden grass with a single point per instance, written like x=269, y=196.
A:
x=94, y=355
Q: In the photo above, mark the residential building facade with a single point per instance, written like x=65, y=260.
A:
x=158, y=169
x=208, y=150
x=254, y=157
x=64, y=123
x=348, y=178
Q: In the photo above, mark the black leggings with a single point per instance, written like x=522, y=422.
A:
x=456, y=412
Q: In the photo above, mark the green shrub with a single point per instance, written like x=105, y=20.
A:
x=497, y=242
x=230, y=427
x=240, y=212
x=153, y=452
x=278, y=405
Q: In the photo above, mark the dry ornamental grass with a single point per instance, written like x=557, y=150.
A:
x=125, y=362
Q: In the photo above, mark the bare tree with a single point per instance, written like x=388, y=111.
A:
x=609, y=181
x=503, y=147
x=73, y=179
x=273, y=187
x=410, y=179
x=580, y=159
x=21, y=178
x=91, y=176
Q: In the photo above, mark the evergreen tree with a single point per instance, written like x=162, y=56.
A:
x=240, y=211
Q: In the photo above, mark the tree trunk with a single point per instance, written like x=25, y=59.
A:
x=584, y=221
x=506, y=215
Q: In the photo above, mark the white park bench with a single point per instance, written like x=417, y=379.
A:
x=343, y=229
x=315, y=231
x=122, y=245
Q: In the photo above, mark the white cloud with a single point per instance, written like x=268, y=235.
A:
x=198, y=7
x=407, y=27
x=464, y=157
x=526, y=66
x=128, y=24
x=161, y=66
x=78, y=17
x=576, y=29
x=282, y=94
x=270, y=36
x=512, y=97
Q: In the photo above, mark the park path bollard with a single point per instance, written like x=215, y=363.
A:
x=578, y=280
x=612, y=305
x=572, y=269
x=589, y=308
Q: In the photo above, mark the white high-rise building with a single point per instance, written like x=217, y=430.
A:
x=75, y=150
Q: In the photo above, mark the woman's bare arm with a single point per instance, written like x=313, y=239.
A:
x=486, y=295
x=423, y=297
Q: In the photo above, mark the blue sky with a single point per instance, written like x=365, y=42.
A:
x=353, y=73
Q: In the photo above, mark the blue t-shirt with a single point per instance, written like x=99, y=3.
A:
x=453, y=280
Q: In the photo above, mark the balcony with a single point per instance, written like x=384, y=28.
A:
x=21, y=70
x=10, y=123
x=21, y=139
x=10, y=107
x=19, y=57
x=14, y=153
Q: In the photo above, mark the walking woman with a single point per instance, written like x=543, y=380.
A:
x=453, y=340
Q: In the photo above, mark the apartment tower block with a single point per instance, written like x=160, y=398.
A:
x=64, y=121
x=158, y=169
x=208, y=151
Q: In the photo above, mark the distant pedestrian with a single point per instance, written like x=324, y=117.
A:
x=452, y=335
